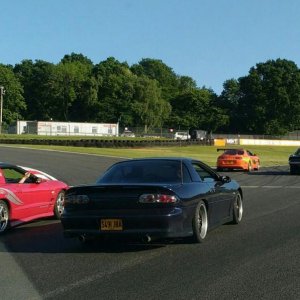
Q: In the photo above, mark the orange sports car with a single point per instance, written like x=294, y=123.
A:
x=237, y=159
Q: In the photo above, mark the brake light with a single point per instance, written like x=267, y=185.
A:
x=157, y=198
x=76, y=199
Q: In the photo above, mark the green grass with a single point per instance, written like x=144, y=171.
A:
x=269, y=155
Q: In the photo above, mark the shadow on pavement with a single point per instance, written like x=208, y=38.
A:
x=48, y=238
x=273, y=171
x=270, y=172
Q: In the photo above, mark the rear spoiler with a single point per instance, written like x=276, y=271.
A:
x=224, y=149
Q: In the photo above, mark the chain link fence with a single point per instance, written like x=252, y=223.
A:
x=164, y=133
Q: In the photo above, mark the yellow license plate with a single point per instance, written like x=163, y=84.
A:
x=111, y=224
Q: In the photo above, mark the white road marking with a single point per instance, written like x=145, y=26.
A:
x=270, y=186
x=292, y=187
x=85, y=280
x=62, y=151
x=14, y=281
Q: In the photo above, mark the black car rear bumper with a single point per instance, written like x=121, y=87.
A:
x=158, y=223
x=294, y=167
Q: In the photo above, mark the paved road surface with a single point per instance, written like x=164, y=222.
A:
x=258, y=259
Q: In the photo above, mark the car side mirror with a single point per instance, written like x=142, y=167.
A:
x=39, y=180
x=225, y=179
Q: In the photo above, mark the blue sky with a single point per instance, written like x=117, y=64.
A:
x=208, y=40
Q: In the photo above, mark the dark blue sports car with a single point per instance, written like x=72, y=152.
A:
x=294, y=162
x=153, y=198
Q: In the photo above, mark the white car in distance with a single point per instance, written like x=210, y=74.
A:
x=182, y=135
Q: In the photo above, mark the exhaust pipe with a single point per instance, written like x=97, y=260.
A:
x=82, y=238
x=146, y=238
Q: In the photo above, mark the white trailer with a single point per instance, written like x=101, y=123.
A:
x=54, y=128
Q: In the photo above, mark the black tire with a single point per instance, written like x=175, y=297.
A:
x=200, y=223
x=292, y=170
x=237, y=209
x=249, y=167
x=59, y=204
x=4, y=217
x=258, y=166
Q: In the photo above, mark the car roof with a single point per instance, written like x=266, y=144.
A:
x=237, y=149
x=187, y=159
x=6, y=165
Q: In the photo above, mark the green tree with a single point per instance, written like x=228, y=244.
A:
x=148, y=106
x=74, y=92
x=229, y=102
x=157, y=70
x=115, y=91
x=35, y=77
x=75, y=57
x=84, y=106
x=270, y=98
x=66, y=91
x=186, y=83
x=197, y=109
x=14, y=105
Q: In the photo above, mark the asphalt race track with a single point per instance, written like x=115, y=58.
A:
x=257, y=259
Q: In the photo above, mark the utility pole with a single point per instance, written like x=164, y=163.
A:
x=2, y=92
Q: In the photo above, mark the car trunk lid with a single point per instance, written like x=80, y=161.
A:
x=115, y=196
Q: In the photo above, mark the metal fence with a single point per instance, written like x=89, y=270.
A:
x=168, y=133
x=290, y=136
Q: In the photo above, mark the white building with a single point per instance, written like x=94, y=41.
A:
x=65, y=128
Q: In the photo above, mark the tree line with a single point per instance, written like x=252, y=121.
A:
x=150, y=94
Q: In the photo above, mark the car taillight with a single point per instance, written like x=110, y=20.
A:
x=238, y=157
x=157, y=198
x=76, y=199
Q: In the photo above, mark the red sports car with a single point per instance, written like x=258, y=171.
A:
x=27, y=194
x=238, y=159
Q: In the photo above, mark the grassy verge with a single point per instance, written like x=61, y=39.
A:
x=269, y=155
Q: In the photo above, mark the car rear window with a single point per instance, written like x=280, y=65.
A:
x=148, y=171
x=234, y=152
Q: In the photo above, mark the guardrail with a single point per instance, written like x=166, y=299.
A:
x=132, y=143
